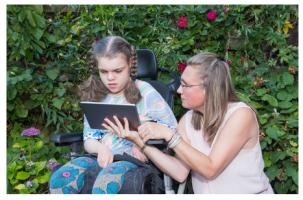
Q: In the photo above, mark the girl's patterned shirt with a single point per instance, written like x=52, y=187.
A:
x=150, y=107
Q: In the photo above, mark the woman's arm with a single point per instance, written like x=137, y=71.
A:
x=238, y=129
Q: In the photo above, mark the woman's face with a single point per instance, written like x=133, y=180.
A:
x=192, y=97
x=114, y=73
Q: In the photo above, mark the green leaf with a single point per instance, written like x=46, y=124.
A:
x=22, y=175
x=34, y=96
x=30, y=19
x=187, y=33
x=58, y=103
x=44, y=178
x=272, y=100
x=19, y=187
x=272, y=172
x=285, y=104
x=54, y=117
x=38, y=145
x=61, y=92
x=229, y=21
x=281, y=133
x=29, y=104
x=39, y=165
x=37, y=47
x=295, y=177
x=272, y=132
x=261, y=92
x=288, y=79
x=38, y=34
x=256, y=104
x=29, y=56
x=21, y=15
x=278, y=155
x=186, y=48
x=42, y=44
x=21, y=112
x=10, y=106
x=280, y=189
x=9, y=33
x=204, y=32
x=263, y=144
x=26, y=76
x=38, y=9
x=282, y=95
x=38, y=20
x=290, y=171
x=52, y=73
x=11, y=93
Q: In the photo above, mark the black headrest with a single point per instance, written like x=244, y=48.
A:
x=147, y=64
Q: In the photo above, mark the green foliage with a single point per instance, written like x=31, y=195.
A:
x=54, y=49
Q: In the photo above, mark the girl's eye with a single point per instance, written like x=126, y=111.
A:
x=102, y=72
x=119, y=71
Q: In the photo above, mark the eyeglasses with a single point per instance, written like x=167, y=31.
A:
x=188, y=86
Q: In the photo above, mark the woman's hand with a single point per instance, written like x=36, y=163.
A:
x=151, y=130
x=105, y=156
x=137, y=153
x=124, y=133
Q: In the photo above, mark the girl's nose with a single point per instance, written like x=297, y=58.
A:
x=110, y=76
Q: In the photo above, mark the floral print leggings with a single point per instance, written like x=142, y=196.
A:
x=70, y=177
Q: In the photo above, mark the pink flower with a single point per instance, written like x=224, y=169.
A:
x=96, y=39
x=225, y=10
x=228, y=62
x=182, y=66
x=212, y=15
x=181, y=22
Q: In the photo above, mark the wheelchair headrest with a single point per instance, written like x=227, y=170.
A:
x=147, y=64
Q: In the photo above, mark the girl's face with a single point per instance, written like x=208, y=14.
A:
x=114, y=73
x=192, y=97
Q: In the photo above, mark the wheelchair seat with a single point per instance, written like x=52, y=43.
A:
x=147, y=69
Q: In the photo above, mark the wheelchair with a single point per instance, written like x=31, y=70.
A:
x=147, y=69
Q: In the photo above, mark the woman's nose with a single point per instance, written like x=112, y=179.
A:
x=179, y=91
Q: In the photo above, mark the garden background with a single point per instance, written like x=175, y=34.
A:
x=47, y=58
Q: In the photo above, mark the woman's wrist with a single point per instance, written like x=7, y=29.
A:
x=169, y=135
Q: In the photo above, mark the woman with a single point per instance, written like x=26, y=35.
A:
x=218, y=139
x=117, y=63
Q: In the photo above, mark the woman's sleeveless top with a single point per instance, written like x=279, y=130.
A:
x=243, y=175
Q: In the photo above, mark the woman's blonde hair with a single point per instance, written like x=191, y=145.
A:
x=109, y=47
x=214, y=73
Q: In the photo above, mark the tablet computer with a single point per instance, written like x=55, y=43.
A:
x=96, y=112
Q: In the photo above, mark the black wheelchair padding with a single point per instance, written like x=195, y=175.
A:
x=141, y=180
x=147, y=64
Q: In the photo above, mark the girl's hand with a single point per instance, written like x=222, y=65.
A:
x=151, y=130
x=132, y=136
x=105, y=156
x=137, y=153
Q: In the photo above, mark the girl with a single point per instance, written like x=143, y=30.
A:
x=218, y=139
x=117, y=64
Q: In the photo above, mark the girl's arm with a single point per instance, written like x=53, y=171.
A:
x=166, y=163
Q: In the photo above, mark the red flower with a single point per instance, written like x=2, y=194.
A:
x=96, y=39
x=228, y=62
x=181, y=22
x=43, y=59
x=225, y=10
x=212, y=15
x=182, y=66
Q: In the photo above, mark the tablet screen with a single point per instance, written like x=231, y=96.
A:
x=96, y=112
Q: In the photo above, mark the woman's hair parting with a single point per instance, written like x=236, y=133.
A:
x=219, y=91
x=109, y=47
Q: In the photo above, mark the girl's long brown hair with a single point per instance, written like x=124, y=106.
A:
x=219, y=91
x=93, y=89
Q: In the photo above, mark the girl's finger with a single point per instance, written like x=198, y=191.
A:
x=110, y=129
x=126, y=124
x=118, y=123
x=113, y=126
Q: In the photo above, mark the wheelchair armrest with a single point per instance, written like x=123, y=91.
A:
x=65, y=139
x=162, y=141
